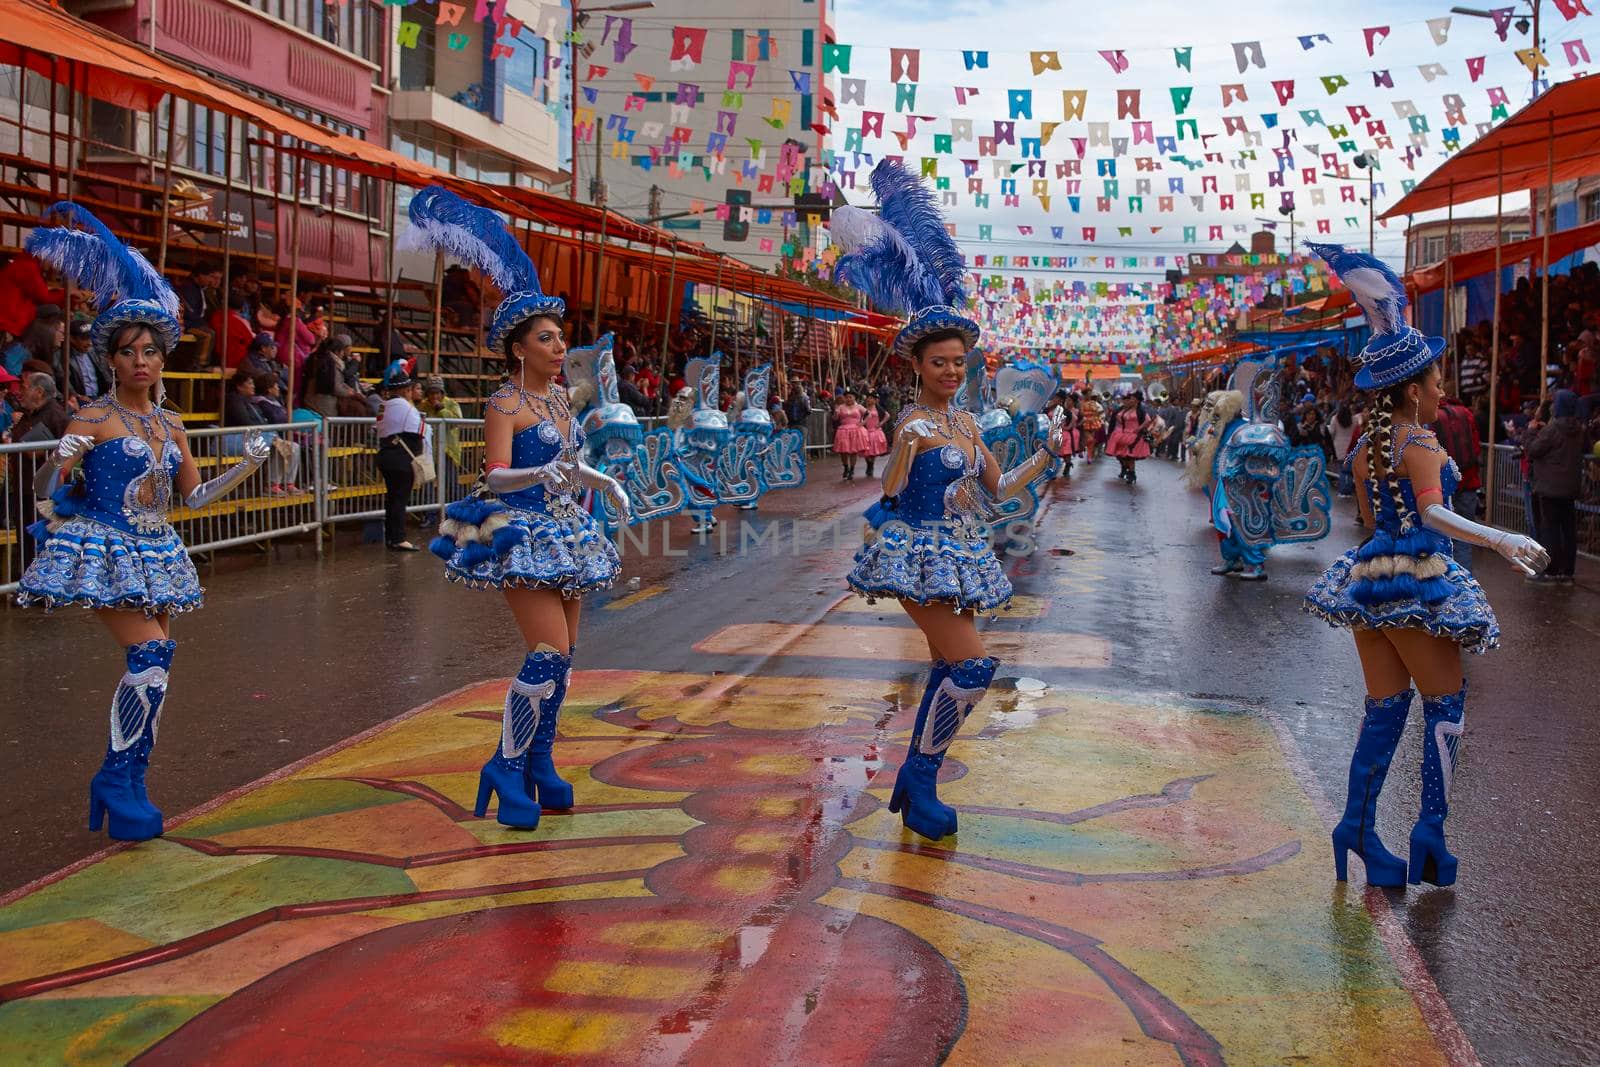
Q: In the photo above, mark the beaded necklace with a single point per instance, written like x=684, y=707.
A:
x=952, y=425
x=554, y=403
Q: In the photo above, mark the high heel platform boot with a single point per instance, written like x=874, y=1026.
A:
x=542, y=781
x=506, y=771
x=946, y=815
x=1357, y=832
x=117, y=790
x=946, y=707
x=1443, y=718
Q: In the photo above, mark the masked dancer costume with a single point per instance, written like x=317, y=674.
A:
x=701, y=434
x=617, y=445
x=928, y=540
x=778, y=456
x=1261, y=490
x=1403, y=577
x=105, y=539
x=523, y=526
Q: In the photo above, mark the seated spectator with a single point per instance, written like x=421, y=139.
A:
x=295, y=339
x=239, y=409
x=244, y=408
x=366, y=394
x=41, y=340
x=268, y=397
x=261, y=357
x=197, y=302
x=88, y=373
x=44, y=417
x=23, y=291
x=244, y=282
x=629, y=393
x=235, y=325
x=326, y=391
x=10, y=386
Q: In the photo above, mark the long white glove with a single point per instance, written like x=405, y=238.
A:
x=609, y=487
x=1014, y=481
x=47, y=479
x=557, y=476
x=1523, y=553
x=256, y=451
x=907, y=440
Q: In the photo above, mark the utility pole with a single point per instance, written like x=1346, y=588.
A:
x=655, y=201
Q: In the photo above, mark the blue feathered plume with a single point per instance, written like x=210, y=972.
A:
x=1372, y=283
x=902, y=258
x=907, y=204
x=474, y=235
x=96, y=260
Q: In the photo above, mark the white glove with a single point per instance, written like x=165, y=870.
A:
x=608, y=486
x=73, y=445
x=256, y=449
x=1054, y=435
x=557, y=476
x=1523, y=553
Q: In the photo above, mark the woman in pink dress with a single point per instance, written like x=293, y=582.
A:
x=1128, y=442
x=877, y=443
x=849, y=437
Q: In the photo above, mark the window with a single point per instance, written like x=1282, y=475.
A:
x=526, y=69
x=1591, y=206
x=1432, y=249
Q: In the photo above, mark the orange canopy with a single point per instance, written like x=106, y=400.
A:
x=1464, y=265
x=1219, y=354
x=1564, y=121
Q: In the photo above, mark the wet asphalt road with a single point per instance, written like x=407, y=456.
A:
x=294, y=652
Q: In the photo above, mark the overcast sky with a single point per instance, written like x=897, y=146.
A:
x=1147, y=31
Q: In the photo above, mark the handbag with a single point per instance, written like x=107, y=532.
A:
x=422, y=472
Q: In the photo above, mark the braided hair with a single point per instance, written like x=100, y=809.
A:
x=1380, y=452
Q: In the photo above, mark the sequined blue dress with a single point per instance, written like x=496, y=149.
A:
x=532, y=538
x=1404, y=576
x=112, y=546
x=931, y=544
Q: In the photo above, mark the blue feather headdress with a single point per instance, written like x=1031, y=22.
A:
x=1397, y=350
x=904, y=259
x=478, y=237
x=128, y=290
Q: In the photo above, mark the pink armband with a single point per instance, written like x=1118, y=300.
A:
x=491, y=468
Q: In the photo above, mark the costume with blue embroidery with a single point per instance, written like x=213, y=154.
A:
x=105, y=538
x=524, y=526
x=1262, y=491
x=1403, y=577
x=929, y=537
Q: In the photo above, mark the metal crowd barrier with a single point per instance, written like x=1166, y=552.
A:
x=280, y=499
x=1511, y=507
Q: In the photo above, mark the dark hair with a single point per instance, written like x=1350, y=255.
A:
x=264, y=382
x=40, y=337
x=207, y=266
x=1380, y=441
x=520, y=331
x=935, y=337
x=235, y=299
x=238, y=378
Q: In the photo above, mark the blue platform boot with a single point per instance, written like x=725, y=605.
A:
x=946, y=705
x=1357, y=832
x=542, y=781
x=1443, y=718
x=506, y=771
x=117, y=789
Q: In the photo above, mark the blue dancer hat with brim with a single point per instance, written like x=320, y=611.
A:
x=127, y=288
x=443, y=221
x=1397, y=350
x=932, y=320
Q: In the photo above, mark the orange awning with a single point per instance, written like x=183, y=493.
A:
x=1521, y=146
x=1464, y=265
x=1219, y=354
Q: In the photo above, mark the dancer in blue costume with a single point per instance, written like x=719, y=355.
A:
x=930, y=547
x=1411, y=607
x=105, y=541
x=524, y=532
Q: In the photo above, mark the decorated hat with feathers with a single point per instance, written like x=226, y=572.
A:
x=904, y=259
x=1397, y=350
x=443, y=221
x=128, y=290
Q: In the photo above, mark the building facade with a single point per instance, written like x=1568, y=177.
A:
x=1425, y=241
x=711, y=105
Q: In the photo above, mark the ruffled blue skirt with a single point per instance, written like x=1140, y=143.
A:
x=521, y=549
x=1449, y=605
x=94, y=565
x=927, y=566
